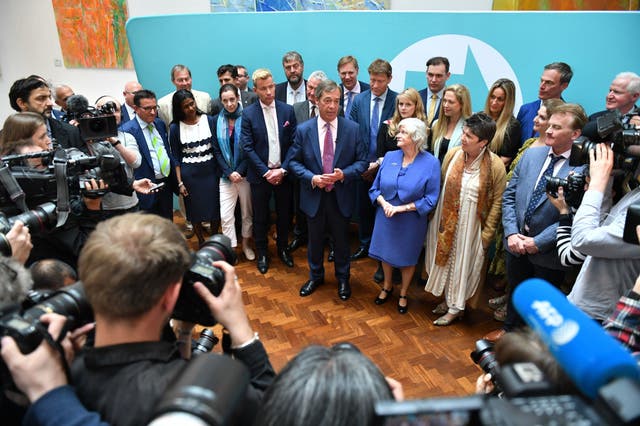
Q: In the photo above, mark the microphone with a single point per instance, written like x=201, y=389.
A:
x=76, y=105
x=588, y=355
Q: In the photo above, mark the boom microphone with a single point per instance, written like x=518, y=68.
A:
x=589, y=355
x=76, y=105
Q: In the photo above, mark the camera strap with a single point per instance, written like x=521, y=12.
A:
x=56, y=344
x=62, y=188
x=14, y=190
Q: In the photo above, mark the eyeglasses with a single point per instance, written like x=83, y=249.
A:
x=243, y=75
x=149, y=108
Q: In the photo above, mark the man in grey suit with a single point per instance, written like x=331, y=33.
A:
x=328, y=158
x=529, y=219
x=228, y=74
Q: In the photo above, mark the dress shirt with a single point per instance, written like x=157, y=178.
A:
x=356, y=91
x=429, y=94
x=130, y=110
x=296, y=95
x=271, y=120
x=322, y=130
x=556, y=168
x=152, y=151
x=382, y=97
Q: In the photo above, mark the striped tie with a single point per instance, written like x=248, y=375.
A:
x=163, y=158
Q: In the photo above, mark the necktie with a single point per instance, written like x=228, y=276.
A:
x=375, y=125
x=313, y=112
x=163, y=159
x=347, y=110
x=432, y=108
x=540, y=189
x=327, y=154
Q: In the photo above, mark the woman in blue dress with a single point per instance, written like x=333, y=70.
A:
x=190, y=134
x=406, y=190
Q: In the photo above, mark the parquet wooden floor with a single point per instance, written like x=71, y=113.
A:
x=428, y=360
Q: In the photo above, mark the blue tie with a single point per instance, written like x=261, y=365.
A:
x=540, y=189
x=375, y=125
x=347, y=112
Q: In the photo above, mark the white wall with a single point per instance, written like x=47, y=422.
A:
x=29, y=42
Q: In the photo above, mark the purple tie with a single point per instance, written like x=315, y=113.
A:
x=327, y=154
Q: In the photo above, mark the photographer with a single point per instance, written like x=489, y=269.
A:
x=132, y=268
x=612, y=265
x=18, y=240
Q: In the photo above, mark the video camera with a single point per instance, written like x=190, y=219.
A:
x=64, y=173
x=94, y=123
x=190, y=307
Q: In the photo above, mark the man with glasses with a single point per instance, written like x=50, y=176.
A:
x=242, y=79
x=157, y=162
x=128, y=112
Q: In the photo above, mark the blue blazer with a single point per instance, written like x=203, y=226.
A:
x=146, y=166
x=238, y=154
x=124, y=115
x=363, y=86
x=424, y=176
x=255, y=140
x=423, y=95
x=526, y=114
x=544, y=221
x=305, y=161
x=361, y=112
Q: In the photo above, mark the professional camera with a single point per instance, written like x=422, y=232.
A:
x=38, y=220
x=64, y=174
x=573, y=187
x=190, y=307
x=23, y=322
x=94, y=123
x=209, y=390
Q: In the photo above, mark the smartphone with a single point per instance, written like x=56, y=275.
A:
x=156, y=187
x=632, y=221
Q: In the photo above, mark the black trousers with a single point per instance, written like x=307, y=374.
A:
x=260, y=196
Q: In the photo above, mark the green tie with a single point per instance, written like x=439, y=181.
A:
x=163, y=159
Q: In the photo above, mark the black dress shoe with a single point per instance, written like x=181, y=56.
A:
x=310, y=286
x=361, y=253
x=379, y=300
x=286, y=258
x=378, y=276
x=296, y=244
x=344, y=290
x=403, y=309
x=263, y=264
x=332, y=256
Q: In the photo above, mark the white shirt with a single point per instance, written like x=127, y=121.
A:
x=356, y=91
x=271, y=121
x=382, y=98
x=152, y=151
x=297, y=95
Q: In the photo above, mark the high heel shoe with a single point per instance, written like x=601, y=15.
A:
x=448, y=318
x=403, y=309
x=379, y=300
x=441, y=309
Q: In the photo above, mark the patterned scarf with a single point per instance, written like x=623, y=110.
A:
x=223, y=135
x=451, y=202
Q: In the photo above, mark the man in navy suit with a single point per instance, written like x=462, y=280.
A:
x=437, y=76
x=328, y=158
x=128, y=112
x=351, y=86
x=61, y=93
x=157, y=162
x=529, y=219
x=267, y=133
x=381, y=100
x=555, y=78
x=294, y=89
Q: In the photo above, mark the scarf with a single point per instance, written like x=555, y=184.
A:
x=451, y=199
x=222, y=134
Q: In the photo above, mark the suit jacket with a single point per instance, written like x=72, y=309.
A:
x=255, y=140
x=241, y=162
x=302, y=111
x=247, y=98
x=544, y=221
x=526, y=114
x=146, y=166
x=361, y=112
x=424, y=93
x=165, y=105
x=66, y=135
x=58, y=113
x=363, y=86
x=281, y=91
x=124, y=115
x=305, y=161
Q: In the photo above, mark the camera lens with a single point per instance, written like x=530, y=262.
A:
x=218, y=247
x=205, y=343
x=485, y=357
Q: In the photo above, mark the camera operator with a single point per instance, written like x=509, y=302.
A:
x=123, y=146
x=132, y=268
x=612, y=265
x=624, y=92
x=18, y=239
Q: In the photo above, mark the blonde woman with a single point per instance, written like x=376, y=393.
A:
x=447, y=129
x=408, y=104
x=499, y=106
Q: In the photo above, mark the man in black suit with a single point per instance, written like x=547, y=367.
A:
x=351, y=86
x=228, y=74
x=437, y=76
x=623, y=94
x=266, y=135
x=328, y=157
x=33, y=94
x=128, y=107
x=158, y=164
x=294, y=89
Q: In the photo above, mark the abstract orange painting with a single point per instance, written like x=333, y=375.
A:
x=92, y=33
